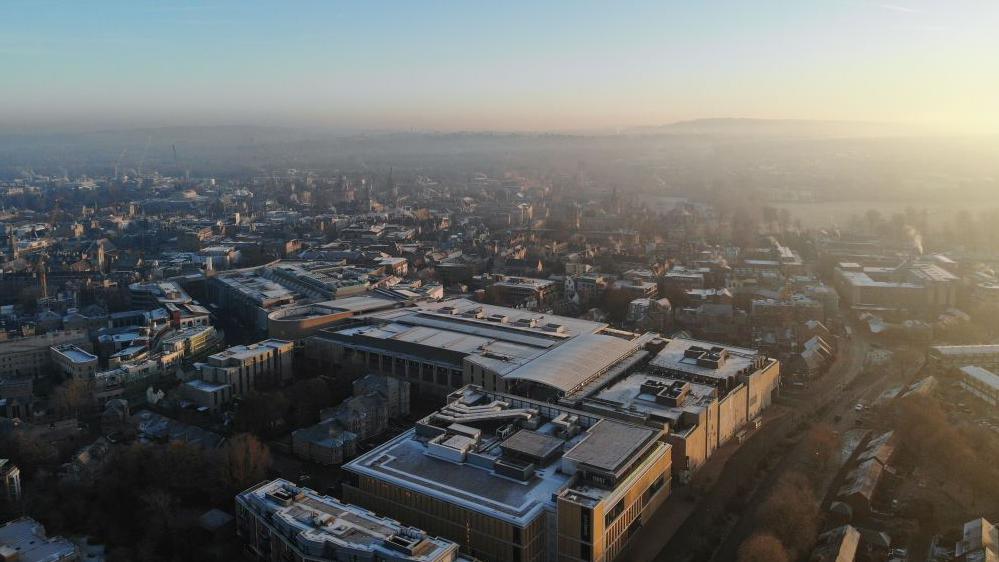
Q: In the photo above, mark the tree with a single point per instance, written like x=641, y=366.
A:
x=71, y=397
x=791, y=513
x=245, y=462
x=823, y=445
x=308, y=397
x=260, y=412
x=763, y=547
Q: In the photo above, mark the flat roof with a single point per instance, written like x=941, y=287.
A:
x=627, y=394
x=404, y=462
x=571, y=364
x=27, y=537
x=610, y=445
x=673, y=358
x=74, y=353
x=461, y=453
x=984, y=376
x=955, y=350
x=312, y=520
x=532, y=444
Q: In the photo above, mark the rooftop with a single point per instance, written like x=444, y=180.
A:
x=26, y=539
x=505, y=456
x=984, y=376
x=683, y=357
x=555, y=351
x=242, y=352
x=74, y=353
x=320, y=526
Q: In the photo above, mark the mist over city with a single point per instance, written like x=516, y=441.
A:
x=450, y=281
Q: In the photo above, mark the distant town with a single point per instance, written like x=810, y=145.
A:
x=499, y=366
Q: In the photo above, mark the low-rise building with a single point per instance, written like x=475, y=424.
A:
x=24, y=540
x=31, y=356
x=280, y=521
x=981, y=383
x=74, y=362
x=326, y=442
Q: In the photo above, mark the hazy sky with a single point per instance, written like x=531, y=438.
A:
x=497, y=65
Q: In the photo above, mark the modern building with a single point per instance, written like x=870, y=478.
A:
x=302, y=321
x=246, y=367
x=277, y=520
x=31, y=356
x=439, y=347
x=24, y=540
x=981, y=383
x=157, y=294
x=943, y=359
x=914, y=286
x=511, y=478
x=703, y=394
x=74, y=362
x=191, y=341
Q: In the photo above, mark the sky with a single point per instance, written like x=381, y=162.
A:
x=511, y=65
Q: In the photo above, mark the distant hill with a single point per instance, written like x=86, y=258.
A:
x=777, y=128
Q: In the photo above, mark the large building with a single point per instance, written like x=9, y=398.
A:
x=157, y=294
x=247, y=367
x=31, y=356
x=918, y=287
x=74, y=362
x=24, y=540
x=439, y=347
x=510, y=478
x=702, y=393
x=981, y=383
x=280, y=521
x=942, y=359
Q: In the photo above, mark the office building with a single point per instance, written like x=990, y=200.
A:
x=31, y=356
x=247, y=367
x=439, y=347
x=277, y=520
x=74, y=362
x=511, y=478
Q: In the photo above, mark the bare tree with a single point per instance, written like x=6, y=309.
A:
x=763, y=547
x=246, y=461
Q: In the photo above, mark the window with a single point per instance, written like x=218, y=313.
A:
x=585, y=551
x=653, y=488
x=613, y=514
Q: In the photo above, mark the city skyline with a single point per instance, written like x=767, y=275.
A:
x=454, y=66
